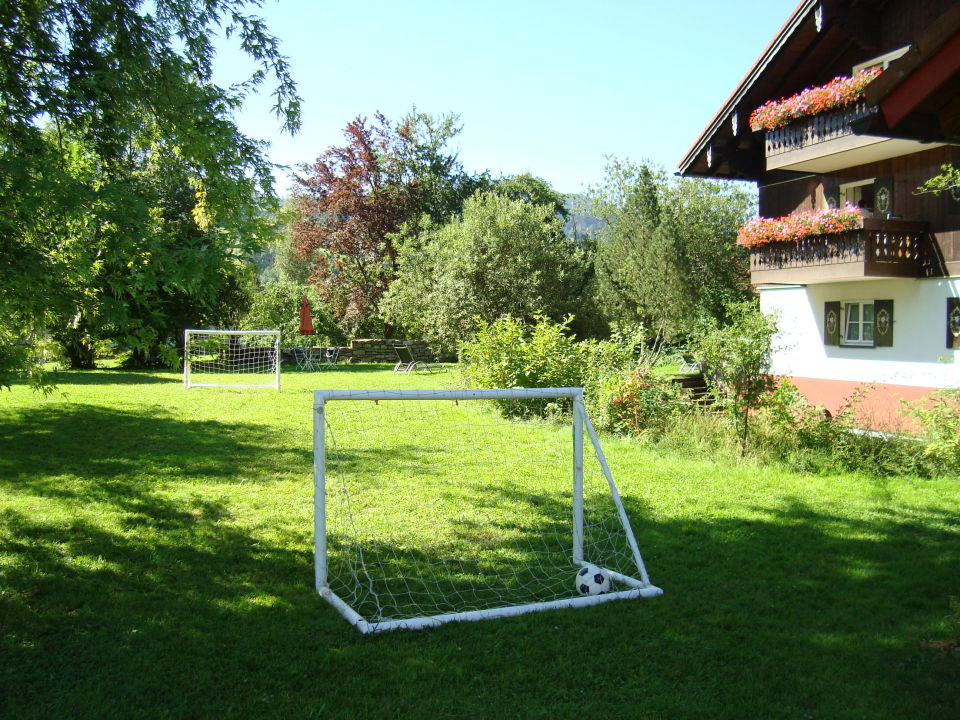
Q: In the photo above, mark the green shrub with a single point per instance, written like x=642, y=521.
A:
x=805, y=438
x=786, y=425
x=737, y=357
x=276, y=306
x=939, y=418
x=647, y=403
x=507, y=353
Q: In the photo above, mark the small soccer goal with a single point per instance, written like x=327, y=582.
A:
x=430, y=507
x=231, y=358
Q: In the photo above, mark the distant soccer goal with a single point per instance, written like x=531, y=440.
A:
x=430, y=508
x=231, y=358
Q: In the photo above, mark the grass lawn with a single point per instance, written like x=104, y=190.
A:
x=156, y=561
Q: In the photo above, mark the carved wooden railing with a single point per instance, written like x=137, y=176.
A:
x=816, y=129
x=893, y=248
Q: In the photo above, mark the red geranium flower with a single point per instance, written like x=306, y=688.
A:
x=792, y=228
x=839, y=92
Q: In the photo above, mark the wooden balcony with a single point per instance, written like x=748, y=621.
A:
x=824, y=143
x=880, y=249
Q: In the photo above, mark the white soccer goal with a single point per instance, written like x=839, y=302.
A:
x=231, y=358
x=430, y=507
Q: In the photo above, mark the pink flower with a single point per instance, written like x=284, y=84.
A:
x=839, y=92
x=792, y=228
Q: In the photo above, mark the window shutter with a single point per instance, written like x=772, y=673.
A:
x=832, y=196
x=953, y=323
x=883, y=197
x=883, y=323
x=831, y=323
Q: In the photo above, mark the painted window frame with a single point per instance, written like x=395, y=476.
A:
x=845, y=306
x=848, y=197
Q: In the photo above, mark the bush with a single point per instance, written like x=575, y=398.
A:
x=939, y=418
x=621, y=392
x=808, y=439
x=737, y=357
x=647, y=403
x=509, y=354
x=276, y=306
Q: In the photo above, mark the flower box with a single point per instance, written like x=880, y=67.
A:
x=792, y=228
x=838, y=93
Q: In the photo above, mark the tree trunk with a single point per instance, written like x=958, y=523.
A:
x=77, y=347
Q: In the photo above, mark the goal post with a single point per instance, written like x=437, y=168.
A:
x=429, y=507
x=231, y=358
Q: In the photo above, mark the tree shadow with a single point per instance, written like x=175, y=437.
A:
x=110, y=376
x=42, y=442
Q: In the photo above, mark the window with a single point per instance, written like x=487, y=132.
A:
x=859, y=194
x=858, y=321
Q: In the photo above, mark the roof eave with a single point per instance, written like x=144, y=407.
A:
x=789, y=28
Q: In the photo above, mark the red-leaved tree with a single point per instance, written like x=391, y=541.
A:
x=354, y=198
x=347, y=207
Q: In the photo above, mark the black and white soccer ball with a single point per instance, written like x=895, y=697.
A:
x=591, y=580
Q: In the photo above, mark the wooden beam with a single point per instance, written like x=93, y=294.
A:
x=922, y=82
x=860, y=24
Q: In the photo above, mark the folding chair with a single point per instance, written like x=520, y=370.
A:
x=330, y=356
x=304, y=358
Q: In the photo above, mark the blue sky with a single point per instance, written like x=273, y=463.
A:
x=549, y=88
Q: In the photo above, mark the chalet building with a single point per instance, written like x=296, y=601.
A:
x=862, y=269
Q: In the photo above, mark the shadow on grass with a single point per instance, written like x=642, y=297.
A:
x=165, y=605
x=110, y=376
x=96, y=443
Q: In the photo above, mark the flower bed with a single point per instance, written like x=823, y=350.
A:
x=839, y=92
x=791, y=228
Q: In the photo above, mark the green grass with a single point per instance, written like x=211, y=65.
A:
x=156, y=561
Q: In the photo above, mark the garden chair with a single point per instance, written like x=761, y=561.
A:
x=330, y=356
x=406, y=362
x=304, y=358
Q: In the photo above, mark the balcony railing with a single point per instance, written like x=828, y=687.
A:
x=825, y=143
x=881, y=248
x=816, y=129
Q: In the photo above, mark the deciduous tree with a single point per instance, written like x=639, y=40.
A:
x=503, y=257
x=666, y=253
x=85, y=87
x=354, y=199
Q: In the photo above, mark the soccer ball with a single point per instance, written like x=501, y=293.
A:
x=591, y=580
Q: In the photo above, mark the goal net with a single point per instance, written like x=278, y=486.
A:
x=231, y=358
x=430, y=507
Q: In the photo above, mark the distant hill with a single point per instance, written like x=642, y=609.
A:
x=579, y=224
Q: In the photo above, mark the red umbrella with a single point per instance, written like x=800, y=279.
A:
x=306, y=324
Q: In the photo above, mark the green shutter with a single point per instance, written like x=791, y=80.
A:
x=883, y=197
x=832, y=196
x=831, y=323
x=883, y=323
x=953, y=323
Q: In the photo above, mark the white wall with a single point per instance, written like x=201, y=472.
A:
x=918, y=357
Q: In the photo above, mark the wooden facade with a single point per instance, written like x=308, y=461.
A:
x=941, y=212
x=901, y=267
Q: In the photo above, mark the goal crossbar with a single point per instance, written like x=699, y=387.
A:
x=636, y=587
x=321, y=396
